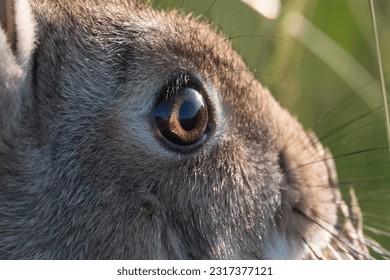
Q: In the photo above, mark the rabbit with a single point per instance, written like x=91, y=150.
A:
x=132, y=133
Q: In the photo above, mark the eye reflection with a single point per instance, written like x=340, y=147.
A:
x=182, y=119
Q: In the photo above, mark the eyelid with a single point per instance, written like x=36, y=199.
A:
x=174, y=86
x=177, y=81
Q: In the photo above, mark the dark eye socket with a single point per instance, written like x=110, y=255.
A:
x=182, y=118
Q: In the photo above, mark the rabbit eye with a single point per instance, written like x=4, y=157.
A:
x=182, y=119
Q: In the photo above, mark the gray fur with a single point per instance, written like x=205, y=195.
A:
x=82, y=175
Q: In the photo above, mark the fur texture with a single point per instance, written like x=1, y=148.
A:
x=83, y=174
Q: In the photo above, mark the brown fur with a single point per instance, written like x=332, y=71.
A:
x=83, y=174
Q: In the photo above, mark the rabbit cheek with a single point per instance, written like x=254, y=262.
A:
x=308, y=213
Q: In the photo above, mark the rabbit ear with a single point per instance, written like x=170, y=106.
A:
x=18, y=27
x=16, y=43
x=7, y=20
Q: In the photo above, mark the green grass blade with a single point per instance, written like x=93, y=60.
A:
x=340, y=61
x=382, y=79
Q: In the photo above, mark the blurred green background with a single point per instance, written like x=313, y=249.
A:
x=319, y=60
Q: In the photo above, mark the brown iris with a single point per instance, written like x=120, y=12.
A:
x=182, y=119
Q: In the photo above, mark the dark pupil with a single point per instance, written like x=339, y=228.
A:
x=188, y=115
x=183, y=118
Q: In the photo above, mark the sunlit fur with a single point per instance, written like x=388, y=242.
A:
x=83, y=174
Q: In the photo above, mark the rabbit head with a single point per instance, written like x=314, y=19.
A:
x=132, y=133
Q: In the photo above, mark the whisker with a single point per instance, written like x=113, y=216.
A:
x=377, y=231
x=341, y=105
x=266, y=47
x=333, y=251
x=356, y=131
x=380, y=225
x=372, y=244
x=367, y=199
x=348, y=247
x=369, y=207
x=348, y=167
x=357, y=182
x=247, y=70
x=348, y=123
x=341, y=156
x=378, y=218
x=311, y=249
x=203, y=17
x=206, y=54
x=378, y=191
x=322, y=138
x=384, y=198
